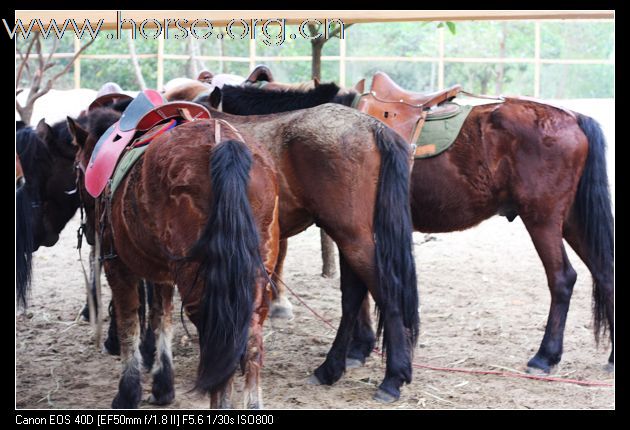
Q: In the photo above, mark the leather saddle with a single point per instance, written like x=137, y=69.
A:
x=144, y=113
x=404, y=111
x=260, y=73
x=205, y=77
x=108, y=99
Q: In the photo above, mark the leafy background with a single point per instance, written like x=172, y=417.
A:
x=566, y=40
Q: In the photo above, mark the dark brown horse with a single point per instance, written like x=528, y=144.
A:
x=518, y=158
x=46, y=200
x=202, y=214
x=347, y=173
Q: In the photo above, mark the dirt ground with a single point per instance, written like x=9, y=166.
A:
x=484, y=303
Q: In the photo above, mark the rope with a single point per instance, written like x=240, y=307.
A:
x=469, y=371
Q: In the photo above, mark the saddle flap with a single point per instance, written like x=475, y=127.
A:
x=110, y=146
x=146, y=100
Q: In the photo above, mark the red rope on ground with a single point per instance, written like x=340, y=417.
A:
x=469, y=371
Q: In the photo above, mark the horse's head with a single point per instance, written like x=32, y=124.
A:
x=47, y=159
x=84, y=136
x=36, y=163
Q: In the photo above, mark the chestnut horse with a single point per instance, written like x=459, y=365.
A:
x=517, y=158
x=201, y=213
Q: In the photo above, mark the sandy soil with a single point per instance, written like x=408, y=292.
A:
x=484, y=303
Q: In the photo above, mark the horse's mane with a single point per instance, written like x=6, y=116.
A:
x=259, y=101
x=99, y=120
x=63, y=139
x=33, y=152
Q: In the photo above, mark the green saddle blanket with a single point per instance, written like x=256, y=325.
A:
x=440, y=131
x=126, y=162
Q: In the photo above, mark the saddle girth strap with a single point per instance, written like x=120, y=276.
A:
x=217, y=130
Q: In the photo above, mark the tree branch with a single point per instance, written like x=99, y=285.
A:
x=24, y=59
x=337, y=30
x=65, y=70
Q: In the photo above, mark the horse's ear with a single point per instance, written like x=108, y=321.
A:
x=79, y=135
x=215, y=97
x=360, y=86
x=19, y=125
x=44, y=132
x=316, y=82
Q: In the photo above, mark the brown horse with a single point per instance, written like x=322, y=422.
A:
x=349, y=174
x=518, y=158
x=201, y=212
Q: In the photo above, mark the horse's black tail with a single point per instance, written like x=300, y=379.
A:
x=593, y=209
x=393, y=229
x=229, y=255
x=23, y=245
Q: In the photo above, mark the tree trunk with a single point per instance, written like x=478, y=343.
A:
x=26, y=113
x=316, y=64
x=329, y=268
x=192, y=64
x=136, y=64
x=498, y=86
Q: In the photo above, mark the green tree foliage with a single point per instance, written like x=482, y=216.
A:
x=566, y=40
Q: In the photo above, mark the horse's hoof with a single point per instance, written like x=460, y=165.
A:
x=353, y=363
x=281, y=312
x=537, y=372
x=120, y=403
x=384, y=397
x=106, y=350
x=255, y=405
x=313, y=380
x=609, y=367
x=166, y=399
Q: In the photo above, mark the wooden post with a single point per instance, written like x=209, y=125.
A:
x=329, y=268
x=342, y=62
x=77, y=64
x=537, y=59
x=160, y=64
x=441, y=58
x=252, y=54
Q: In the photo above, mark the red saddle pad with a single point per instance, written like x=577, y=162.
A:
x=114, y=141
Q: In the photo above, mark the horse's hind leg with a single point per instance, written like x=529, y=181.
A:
x=126, y=304
x=561, y=277
x=604, y=281
x=147, y=346
x=353, y=292
x=160, y=315
x=222, y=399
x=253, y=360
x=281, y=306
